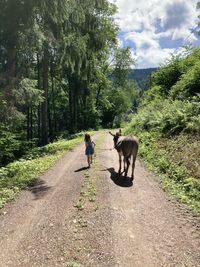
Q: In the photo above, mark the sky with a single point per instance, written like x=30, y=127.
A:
x=154, y=29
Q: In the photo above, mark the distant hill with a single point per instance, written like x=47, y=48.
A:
x=142, y=77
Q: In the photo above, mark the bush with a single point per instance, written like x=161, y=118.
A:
x=167, y=117
x=188, y=85
x=9, y=146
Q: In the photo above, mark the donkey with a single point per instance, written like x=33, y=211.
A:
x=126, y=146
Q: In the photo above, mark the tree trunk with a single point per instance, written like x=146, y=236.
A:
x=39, y=107
x=28, y=124
x=97, y=97
x=52, y=115
x=73, y=97
x=10, y=72
x=45, y=128
x=31, y=124
x=71, y=109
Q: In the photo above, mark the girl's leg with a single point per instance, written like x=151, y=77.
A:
x=88, y=160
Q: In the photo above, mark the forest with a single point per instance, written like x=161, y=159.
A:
x=61, y=72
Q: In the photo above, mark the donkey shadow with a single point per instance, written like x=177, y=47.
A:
x=39, y=189
x=119, y=179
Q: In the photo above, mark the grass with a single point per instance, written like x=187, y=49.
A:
x=73, y=264
x=175, y=160
x=22, y=173
x=80, y=204
x=85, y=205
x=88, y=191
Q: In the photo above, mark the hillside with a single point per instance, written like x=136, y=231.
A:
x=142, y=76
x=168, y=126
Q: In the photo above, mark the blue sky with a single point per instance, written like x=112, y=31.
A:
x=154, y=29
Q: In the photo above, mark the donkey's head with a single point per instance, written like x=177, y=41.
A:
x=115, y=139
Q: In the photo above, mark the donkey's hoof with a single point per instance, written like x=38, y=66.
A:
x=132, y=179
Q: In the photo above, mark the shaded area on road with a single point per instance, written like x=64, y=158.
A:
x=39, y=189
x=119, y=179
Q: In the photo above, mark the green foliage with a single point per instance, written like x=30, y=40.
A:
x=167, y=116
x=20, y=174
x=73, y=264
x=9, y=145
x=167, y=75
x=53, y=69
x=121, y=66
x=189, y=83
x=177, y=108
x=175, y=160
x=168, y=126
x=10, y=117
x=142, y=77
x=27, y=94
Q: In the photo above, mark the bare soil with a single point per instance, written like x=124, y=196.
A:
x=92, y=217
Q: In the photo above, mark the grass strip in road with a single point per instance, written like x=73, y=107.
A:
x=86, y=207
x=24, y=172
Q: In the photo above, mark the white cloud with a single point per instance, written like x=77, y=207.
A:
x=146, y=23
x=148, y=52
x=152, y=58
x=143, y=40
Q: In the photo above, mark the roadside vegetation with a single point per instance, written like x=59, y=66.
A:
x=20, y=174
x=168, y=126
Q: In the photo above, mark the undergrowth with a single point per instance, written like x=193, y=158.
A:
x=174, y=168
x=24, y=172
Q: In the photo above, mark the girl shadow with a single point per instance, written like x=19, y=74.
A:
x=118, y=179
x=82, y=169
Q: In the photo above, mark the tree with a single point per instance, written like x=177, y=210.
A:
x=15, y=17
x=89, y=38
x=122, y=64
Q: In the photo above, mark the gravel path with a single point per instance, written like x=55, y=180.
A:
x=91, y=217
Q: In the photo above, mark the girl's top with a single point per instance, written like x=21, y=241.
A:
x=89, y=148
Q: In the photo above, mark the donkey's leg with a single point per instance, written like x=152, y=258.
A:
x=124, y=160
x=120, y=164
x=127, y=165
x=133, y=168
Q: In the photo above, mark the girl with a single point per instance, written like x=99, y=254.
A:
x=89, y=148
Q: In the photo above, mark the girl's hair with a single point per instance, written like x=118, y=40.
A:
x=87, y=137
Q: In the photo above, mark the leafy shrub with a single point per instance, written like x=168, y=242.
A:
x=167, y=117
x=9, y=145
x=188, y=85
x=168, y=75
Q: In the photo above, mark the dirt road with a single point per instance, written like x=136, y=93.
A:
x=91, y=217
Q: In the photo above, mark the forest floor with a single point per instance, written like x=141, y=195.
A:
x=74, y=216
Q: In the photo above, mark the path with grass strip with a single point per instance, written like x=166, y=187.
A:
x=74, y=216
